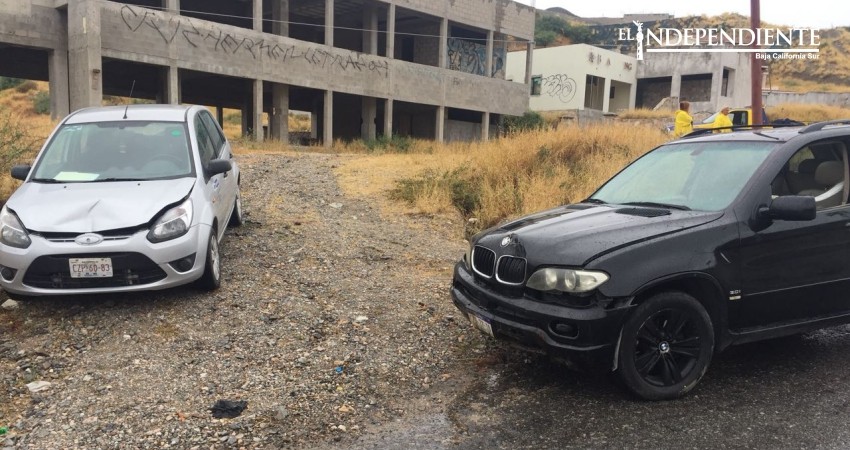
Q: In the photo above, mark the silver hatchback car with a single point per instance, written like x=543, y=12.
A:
x=121, y=199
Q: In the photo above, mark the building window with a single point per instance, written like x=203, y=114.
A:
x=612, y=94
x=536, y=84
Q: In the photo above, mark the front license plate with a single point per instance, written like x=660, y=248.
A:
x=481, y=324
x=90, y=267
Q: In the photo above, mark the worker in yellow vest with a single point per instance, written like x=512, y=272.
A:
x=722, y=121
x=684, y=121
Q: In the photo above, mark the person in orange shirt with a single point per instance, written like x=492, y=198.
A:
x=722, y=121
x=684, y=122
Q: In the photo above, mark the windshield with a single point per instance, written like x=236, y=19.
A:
x=115, y=151
x=710, y=119
x=705, y=176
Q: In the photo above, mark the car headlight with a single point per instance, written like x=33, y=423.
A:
x=566, y=280
x=173, y=223
x=467, y=255
x=12, y=232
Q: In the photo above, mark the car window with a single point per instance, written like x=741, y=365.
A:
x=818, y=170
x=739, y=117
x=704, y=176
x=215, y=134
x=106, y=151
x=206, y=148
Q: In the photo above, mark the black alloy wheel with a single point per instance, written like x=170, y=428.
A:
x=666, y=346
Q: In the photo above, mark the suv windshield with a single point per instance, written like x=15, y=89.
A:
x=705, y=176
x=115, y=151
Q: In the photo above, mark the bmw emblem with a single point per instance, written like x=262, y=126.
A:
x=89, y=239
x=506, y=241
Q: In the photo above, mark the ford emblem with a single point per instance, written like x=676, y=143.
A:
x=505, y=241
x=89, y=239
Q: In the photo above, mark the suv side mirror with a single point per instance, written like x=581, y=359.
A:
x=218, y=166
x=790, y=207
x=20, y=172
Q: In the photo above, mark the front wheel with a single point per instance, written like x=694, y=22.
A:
x=666, y=346
x=211, y=279
x=236, y=218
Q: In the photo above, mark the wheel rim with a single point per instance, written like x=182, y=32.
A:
x=214, y=259
x=667, y=347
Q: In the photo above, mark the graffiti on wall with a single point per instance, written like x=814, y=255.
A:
x=182, y=29
x=471, y=57
x=559, y=86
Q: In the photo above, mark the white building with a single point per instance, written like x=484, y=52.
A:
x=577, y=77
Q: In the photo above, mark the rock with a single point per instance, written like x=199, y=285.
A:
x=38, y=386
x=282, y=413
x=336, y=205
x=10, y=305
x=361, y=319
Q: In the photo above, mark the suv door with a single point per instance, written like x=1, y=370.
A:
x=795, y=271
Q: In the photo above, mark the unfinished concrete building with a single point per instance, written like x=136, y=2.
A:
x=423, y=68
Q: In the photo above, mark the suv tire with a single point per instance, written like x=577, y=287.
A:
x=665, y=347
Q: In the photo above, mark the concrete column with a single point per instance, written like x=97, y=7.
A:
x=258, y=15
x=328, y=125
x=675, y=87
x=633, y=96
x=329, y=23
x=488, y=69
x=391, y=31
x=219, y=115
x=280, y=17
x=439, y=136
x=529, y=62
x=247, y=124
x=388, y=118
x=485, y=126
x=444, y=43
x=172, y=6
x=172, y=86
x=606, y=95
x=279, y=120
x=85, y=67
x=368, y=130
x=57, y=68
x=257, y=109
x=370, y=29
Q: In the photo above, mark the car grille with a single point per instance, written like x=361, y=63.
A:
x=483, y=261
x=511, y=270
x=129, y=269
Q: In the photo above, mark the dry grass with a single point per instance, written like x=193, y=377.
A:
x=646, y=113
x=807, y=113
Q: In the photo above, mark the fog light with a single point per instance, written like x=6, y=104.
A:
x=183, y=264
x=7, y=273
x=565, y=329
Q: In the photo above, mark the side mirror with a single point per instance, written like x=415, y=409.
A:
x=20, y=172
x=218, y=166
x=790, y=207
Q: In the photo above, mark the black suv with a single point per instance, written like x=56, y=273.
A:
x=705, y=242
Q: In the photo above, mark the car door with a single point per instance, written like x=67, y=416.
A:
x=230, y=182
x=794, y=271
x=214, y=185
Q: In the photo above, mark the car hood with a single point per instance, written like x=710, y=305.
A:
x=575, y=235
x=94, y=207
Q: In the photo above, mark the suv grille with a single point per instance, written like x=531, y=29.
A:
x=511, y=270
x=130, y=269
x=483, y=261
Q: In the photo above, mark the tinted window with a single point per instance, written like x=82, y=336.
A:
x=215, y=134
x=206, y=149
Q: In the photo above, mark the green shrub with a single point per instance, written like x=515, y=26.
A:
x=527, y=122
x=462, y=184
x=41, y=103
x=384, y=144
x=15, y=141
x=8, y=82
x=544, y=38
x=26, y=86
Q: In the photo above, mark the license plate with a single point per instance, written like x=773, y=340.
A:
x=90, y=267
x=481, y=324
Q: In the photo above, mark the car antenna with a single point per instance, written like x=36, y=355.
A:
x=133, y=86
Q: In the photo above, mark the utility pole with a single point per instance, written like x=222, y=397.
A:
x=755, y=23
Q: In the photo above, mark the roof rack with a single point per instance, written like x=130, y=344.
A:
x=821, y=125
x=701, y=131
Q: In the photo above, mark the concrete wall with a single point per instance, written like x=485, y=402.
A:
x=502, y=16
x=773, y=98
x=564, y=72
x=154, y=37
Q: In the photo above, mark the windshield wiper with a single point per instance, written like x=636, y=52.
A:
x=47, y=180
x=595, y=201
x=101, y=180
x=659, y=205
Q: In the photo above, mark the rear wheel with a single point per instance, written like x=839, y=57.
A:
x=666, y=346
x=211, y=279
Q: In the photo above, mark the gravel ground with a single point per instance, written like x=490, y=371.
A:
x=332, y=323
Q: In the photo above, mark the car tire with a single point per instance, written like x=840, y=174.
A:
x=236, y=218
x=665, y=347
x=211, y=279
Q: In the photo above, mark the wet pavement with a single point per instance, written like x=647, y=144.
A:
x=786, y=393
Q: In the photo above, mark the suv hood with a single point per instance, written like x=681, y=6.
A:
x=576, y=235
x=94, y=207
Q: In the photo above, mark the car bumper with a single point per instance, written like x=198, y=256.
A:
x=593, y=331
x=156, y=256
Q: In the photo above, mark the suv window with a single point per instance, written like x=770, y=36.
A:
x=818, y=169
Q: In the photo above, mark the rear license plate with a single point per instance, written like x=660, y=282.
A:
x=90, y=267
x=481, y=324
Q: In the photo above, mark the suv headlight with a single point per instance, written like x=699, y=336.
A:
x=12, y=232
x=566, y=280
x=467, y=255
x=173, y=223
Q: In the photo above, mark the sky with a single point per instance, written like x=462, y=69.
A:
x=797, y=13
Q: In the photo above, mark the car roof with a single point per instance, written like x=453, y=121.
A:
x=771, y=134
x=160, y=113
